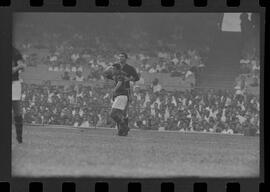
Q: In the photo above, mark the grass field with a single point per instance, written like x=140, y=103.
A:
x=66, y=151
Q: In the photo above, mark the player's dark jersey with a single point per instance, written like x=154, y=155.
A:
x=127, y=71
x=120, y=77
x=16, y=56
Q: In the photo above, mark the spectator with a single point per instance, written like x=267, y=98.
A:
x=77, y=121
x=80, y=69
x=85, y=122
x=50, y=68
x=73, y=69
x=67, y=69
x=156, y=87
x=199, y=110
x=66, y=76
x=79, y=76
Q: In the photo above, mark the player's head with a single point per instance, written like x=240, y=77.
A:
x=123, y=57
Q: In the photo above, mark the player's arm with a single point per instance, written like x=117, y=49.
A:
x=20, y=66
x=17, y=57
x=135, y=75
x=15, y=69
x=118, y=85
x=108, y=73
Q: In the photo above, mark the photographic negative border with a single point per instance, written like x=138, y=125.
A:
x=92, y=184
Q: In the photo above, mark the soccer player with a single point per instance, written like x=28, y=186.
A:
x=122, y=74
x=17, y=66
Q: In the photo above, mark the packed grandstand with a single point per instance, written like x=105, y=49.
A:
x=63, y=84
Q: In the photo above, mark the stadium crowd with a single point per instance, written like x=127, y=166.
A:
x=220, y=111
x=77, y=64
x=250, y=69
x=250, y=61
x=84, y=55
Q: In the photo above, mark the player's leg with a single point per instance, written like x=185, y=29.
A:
x=126, y=110
x=118, y=117
x=125, y=113
x=126, y=120
x=117, y=113
x=18, y=120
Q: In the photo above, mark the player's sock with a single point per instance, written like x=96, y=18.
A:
x=19, y=128
x=126, y=122
x=126, y=128
x=120, y=130
x=118, y=117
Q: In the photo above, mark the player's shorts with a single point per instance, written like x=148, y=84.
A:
x=120, y=102
x=16, y=90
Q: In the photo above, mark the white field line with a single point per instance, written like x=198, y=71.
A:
x=106, y=128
